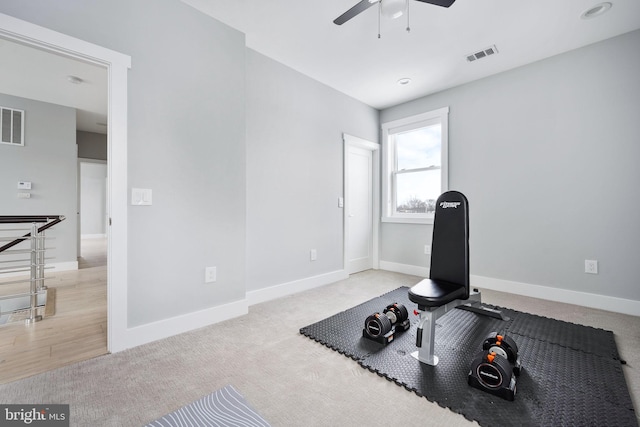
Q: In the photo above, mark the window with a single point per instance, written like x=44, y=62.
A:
x=415, y=166
x=11, y=126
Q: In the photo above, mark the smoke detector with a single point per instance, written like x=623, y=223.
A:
x=491, y=50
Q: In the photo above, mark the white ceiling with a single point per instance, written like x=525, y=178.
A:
x=350, y=58
x=35, y=74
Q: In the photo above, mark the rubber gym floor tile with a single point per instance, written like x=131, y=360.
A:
x=571, y=374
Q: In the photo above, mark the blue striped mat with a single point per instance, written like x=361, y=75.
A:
x=225, y=407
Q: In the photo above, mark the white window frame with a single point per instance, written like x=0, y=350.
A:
x=440, y=116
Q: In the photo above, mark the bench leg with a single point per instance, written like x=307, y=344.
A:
x=426, y=332
x=425, y=337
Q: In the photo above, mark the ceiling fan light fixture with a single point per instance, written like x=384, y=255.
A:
x=596, y=10
x=393, y=8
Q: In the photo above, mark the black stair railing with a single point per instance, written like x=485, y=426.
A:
x=39, y=223
x=50, y=220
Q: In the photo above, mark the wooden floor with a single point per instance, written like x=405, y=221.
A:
x=78, y=329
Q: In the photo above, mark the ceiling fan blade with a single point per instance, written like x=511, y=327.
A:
x=443, y=3
x=355, y=10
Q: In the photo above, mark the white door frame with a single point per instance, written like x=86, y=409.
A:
x=353, y=141
x=117, y=66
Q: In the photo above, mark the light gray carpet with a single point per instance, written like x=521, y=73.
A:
x=289, y=379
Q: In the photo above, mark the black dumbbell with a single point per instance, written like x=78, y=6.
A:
x=493, y=373
x=496, y=367
x=504, y=346
x=379, y=325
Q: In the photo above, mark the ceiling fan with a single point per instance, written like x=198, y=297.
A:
x=366, y=4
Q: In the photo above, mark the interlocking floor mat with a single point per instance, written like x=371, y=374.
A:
x=571, y=374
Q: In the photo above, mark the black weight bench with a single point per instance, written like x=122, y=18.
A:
x=448, y=284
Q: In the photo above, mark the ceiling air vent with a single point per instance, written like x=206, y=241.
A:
x=491, y=50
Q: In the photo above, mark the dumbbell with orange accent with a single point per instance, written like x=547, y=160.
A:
x=382, y=327
x=504, y=346
x=496, y=367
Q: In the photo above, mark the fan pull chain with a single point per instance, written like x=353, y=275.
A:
x=379, y=15
x=408, y=27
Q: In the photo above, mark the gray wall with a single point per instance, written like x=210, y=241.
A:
x=186, y=93
x=252, y=210
x=91, y=145
x=48, y=161
x=548, y=157
x=294, y=171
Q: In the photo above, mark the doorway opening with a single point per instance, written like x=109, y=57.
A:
x=116, y=66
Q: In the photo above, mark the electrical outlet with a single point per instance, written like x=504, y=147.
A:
x=591, y=266
x=427, y=249
x=313, y=255
x=210, y=274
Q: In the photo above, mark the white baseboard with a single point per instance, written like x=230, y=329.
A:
x=413, y=270
x=93, y=236
x=176, y=325
x=602, y=302
x=284, y=289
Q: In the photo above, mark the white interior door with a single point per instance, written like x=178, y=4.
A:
x=359, y=209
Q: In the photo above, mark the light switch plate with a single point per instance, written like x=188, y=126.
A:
x=141, y=197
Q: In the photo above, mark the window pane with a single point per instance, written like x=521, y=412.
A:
x=6, y=125
x=419, y=148
x=416, y=192
x=17, y=127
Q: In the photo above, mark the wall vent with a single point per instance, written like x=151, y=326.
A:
x=491, y=50
x=11, y=126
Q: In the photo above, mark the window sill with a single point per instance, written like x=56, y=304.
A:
x=405, y=220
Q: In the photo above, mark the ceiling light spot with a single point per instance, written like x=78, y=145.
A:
x=596, y=10
x=404, y=81
x=74, y=79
